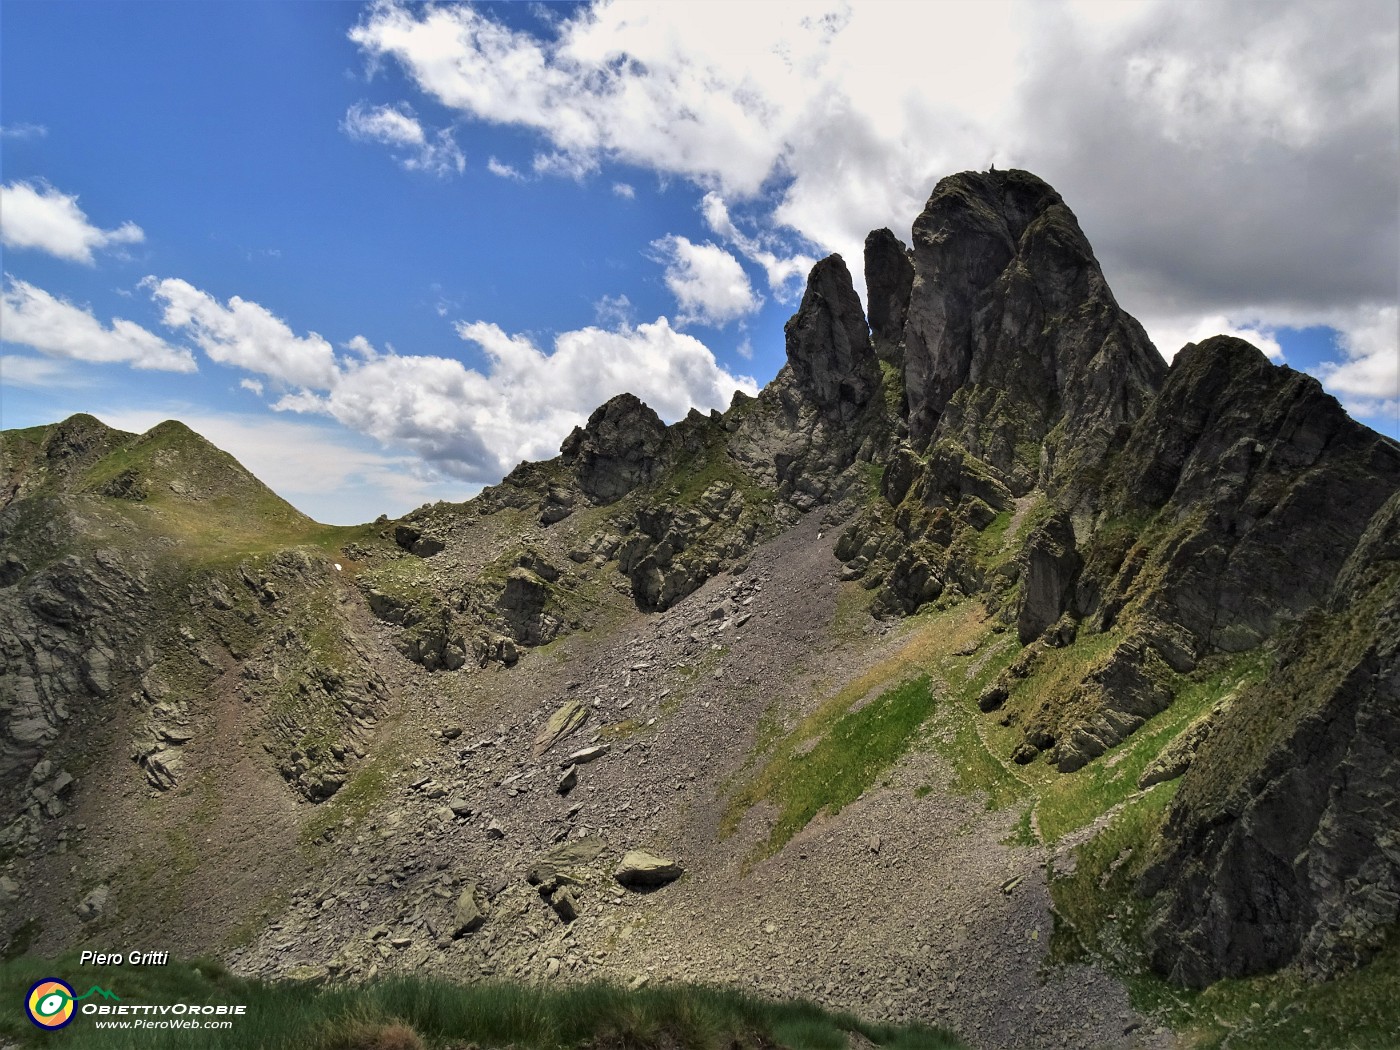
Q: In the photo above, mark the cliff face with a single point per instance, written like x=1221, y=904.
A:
x=1280, y=845
x=1015, y=347
x=997, y=434
x=1181, y=515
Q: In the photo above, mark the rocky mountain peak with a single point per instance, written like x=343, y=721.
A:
x=889, y=278
x=617, y=449
x=1227, y=412
x=1012, y=331
x=78, y=440
x=828, y=344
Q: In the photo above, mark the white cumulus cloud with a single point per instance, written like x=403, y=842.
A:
x=419, y=149
x=468, y=423
x=852, y=109
x=476, y=425
x=1226, y=160
x=244, y=334
x=1368, y=379
x=709, y=284
x=30, y=316
x=36, y=215
x=780, y=269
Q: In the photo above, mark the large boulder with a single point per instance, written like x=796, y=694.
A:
x=640, y=870
x=564, y=859
x=522, y=605
x=467, y=916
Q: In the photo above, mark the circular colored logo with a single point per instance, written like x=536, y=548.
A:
x=50, y=1003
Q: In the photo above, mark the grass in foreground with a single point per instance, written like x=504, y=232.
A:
x=418, y=1014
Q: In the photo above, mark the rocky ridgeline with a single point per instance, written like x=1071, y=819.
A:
x=995, y=427
x=1183, y=512
x=107, y=618
x=683, y=503
x=67, y=636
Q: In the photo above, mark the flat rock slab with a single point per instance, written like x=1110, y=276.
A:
x=563, y=859
x=588, y=754
x=563, y=722
x=642, y=870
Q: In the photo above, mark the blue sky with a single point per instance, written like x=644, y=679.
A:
x=381, y=253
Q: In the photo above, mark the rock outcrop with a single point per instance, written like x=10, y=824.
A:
x=640, y=870
x=828, y=345
x=1051, y=563
x=618, y=451
x=1261, y=486
x=1281, y=844
x=889, y=280
x=1014, y=345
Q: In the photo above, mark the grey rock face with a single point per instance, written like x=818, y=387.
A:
x=1051, y=563
x=1281, y=847
x=889, y=279
x=1013, y=332
x=68, y=631
x=1272, y=484
x=674, y=548
x=617, y=451
x=828, y=344
x=523, y=604
x=1176, y=757
x=412, y=539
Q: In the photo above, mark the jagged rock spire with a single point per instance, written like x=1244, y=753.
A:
x=828, y=344
x=1012, y=331
x=617, y=450
x=889, y=278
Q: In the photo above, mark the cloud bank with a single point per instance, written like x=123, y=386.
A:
x=30, y=316
x=471, y=424
x=1234, y=161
